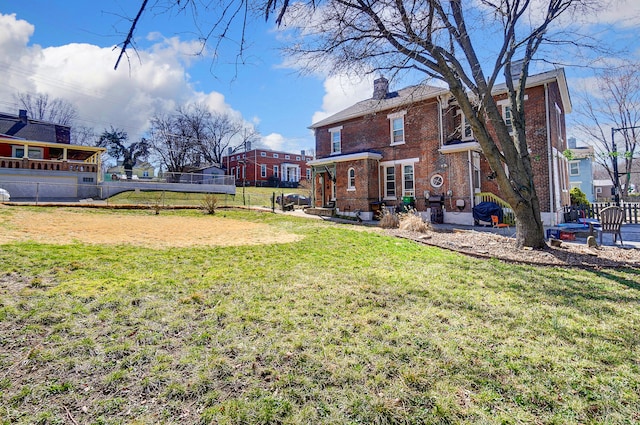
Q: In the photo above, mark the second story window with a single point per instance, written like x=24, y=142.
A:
x=465, y=128
x=396, y=124
x=574, y=168
x=263, y=154
x=351, y=179
x=336, y=139
x=507, y=115
x=275, y=155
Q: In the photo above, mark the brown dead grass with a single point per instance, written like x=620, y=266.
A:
x=114, y=228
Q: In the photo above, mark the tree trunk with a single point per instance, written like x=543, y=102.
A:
x=529, y=227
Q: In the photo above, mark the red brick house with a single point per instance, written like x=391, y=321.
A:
x=264, y=167
x=413, y=146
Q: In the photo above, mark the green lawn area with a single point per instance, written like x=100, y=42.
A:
x=248, y=197
x=341, y=327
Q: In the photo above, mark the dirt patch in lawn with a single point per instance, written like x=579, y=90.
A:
x=114, y=228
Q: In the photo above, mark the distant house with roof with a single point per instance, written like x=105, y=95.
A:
x=141, y=170
x=38, y=161
x=581, y=168
x=266, y=167
x=603, y=190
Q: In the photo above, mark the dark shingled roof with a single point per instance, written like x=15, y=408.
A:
x=41, y=131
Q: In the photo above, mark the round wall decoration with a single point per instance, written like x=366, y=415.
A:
x=437, y=180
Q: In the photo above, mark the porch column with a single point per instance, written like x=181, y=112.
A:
x=64, y=154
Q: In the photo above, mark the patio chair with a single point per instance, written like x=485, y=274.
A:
x=611, y=219
x=495, y=223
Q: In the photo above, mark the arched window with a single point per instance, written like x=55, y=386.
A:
x=351, y=179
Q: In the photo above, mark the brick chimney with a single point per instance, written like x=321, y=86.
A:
x=22, y=114
x=380, y=88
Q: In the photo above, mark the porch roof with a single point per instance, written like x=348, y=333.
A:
x=346, y=157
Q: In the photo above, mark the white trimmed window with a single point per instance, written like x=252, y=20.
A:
x=275, y=171
x=574, y=168
x=466, y=132
x=407, y=180
x=390, y=182
x=396, y=125
x=287, y=157
x=263, y=170
x=264, y=154
x=297, y=158
x=336, y=139
x=275, y=155
x=308, y=173
x=351, y=179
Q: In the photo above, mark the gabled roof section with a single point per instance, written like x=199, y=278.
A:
x=556, y=75
x=393, y=100
x=416, y=93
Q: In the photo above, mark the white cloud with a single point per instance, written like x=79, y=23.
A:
x=278, y=142
x=153, y=80
x=342, y=91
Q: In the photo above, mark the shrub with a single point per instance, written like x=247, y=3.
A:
x=578, y=197
x=389, y=220
x=209, y=203
x=412, y=221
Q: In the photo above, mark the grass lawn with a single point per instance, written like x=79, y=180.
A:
x=342, y=326
x=248, y=196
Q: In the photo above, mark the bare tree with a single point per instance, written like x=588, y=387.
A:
x=41, y=107
x=614, y=104
x=193, y=136
x=224, y=132
x=115, y=141
x=439, y=39
x=175, y=150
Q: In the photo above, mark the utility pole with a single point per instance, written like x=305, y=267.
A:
x=614, y=153
x=616, y=177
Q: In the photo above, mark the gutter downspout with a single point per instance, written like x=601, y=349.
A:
x=549, y=150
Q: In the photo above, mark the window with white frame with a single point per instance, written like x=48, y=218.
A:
x=574, y=168
x=308, y=173
x=336, y=139
x=297, y=158
x=466, y=132
x=263, y=170
x=407, y=179
x=351, y=179
x=396, y=125
x=263, y=154
x=559, y=121
x=275, y=171
x=390, y=182
x=287, y=157
x=507, y=115
x=275, y=155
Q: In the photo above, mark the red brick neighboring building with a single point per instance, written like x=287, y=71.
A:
x=264, y=167
x=413, y=146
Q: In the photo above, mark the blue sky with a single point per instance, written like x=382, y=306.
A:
x=65, y=48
